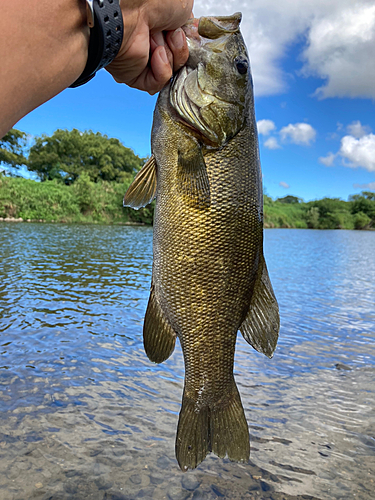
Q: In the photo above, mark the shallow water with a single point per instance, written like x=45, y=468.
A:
x=85, y=415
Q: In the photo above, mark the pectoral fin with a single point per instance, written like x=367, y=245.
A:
x=159, y=338
x=262, y=323
x=192, y=176
x=142, y=190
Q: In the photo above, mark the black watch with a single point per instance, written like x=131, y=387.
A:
x=104, y=18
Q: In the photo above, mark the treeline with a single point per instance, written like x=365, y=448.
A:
x=328, y=213
x=68, y=154
x=83, y=201
x=84, y=175
x=83, y=178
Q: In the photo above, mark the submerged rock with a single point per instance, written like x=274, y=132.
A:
x=341, y=366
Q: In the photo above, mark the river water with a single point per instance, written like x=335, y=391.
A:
x=85, y=415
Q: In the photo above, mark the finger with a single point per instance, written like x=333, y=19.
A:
x=177, y=43
x=158, y=40
x=161, y=70
x=153, y=78
x=171, y=14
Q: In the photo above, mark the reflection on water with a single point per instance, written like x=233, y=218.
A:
x=85, y=415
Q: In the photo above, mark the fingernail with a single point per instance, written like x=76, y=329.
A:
x=178, y=38
x=163, y=55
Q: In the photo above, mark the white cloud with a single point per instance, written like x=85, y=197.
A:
x=265, y=126
x=339, y=50
x=327, y=160
x=359, y=152
x=340, y=37
x=284, y=185
x=357, y=130
x=299, y=133
x=271, y=143
x=370, y=186
x=357, y=149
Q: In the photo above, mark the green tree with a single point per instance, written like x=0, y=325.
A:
x=12, y=149
x=67, y=154
x=363, y=203
x=289, y=199
x=369, y=195
x=328, y=205
x=312, y=217
x=361, y=220
x=85, y=192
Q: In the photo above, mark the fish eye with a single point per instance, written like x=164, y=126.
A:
x=242, y=66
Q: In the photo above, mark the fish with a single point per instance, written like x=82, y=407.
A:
x=209, y=275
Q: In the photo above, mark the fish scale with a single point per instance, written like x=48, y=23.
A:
x=209, y=275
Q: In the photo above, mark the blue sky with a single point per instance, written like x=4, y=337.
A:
x=314, y=75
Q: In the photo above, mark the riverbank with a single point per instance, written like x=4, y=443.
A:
x=83, y=202
x=12, y=219
x=101, y=203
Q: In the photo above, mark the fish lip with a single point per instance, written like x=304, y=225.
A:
x=190, y=29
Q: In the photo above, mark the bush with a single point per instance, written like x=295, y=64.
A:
x=312, y=218
x=84, y=201
x=361, y=220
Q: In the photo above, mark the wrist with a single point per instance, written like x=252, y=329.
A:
x=106, y=34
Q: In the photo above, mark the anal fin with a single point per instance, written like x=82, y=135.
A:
x=159, y=338
x=262, y=323
x=142, y=190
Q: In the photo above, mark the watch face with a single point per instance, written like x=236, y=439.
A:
x=90, y=13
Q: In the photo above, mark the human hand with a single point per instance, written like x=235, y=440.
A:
x=154, y=45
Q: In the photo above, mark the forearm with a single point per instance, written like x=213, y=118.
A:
x=43, y=49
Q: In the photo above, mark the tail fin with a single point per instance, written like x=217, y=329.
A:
x=221, y=429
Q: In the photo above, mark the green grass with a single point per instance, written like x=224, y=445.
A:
x=84, y=201
x=285, y=215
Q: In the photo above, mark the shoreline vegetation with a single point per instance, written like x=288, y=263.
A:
x=82, y=202
x=83, y=176
x=26, y=200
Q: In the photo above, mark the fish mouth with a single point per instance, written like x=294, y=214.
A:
x=212, y=27
x=191, y=29
x=194, y=93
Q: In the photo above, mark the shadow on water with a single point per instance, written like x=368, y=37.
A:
x=85, y=415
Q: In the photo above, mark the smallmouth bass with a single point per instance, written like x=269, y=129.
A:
x=209, y=274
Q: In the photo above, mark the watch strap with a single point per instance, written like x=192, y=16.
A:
x=105, y=38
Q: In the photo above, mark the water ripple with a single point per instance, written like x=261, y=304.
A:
x=84, y=414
